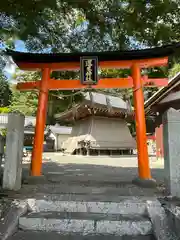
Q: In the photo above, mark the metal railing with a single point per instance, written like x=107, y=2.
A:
x=4, y=120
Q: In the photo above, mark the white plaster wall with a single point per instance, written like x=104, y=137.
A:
x=60, y=139
x=112, y=133
x=104, y=133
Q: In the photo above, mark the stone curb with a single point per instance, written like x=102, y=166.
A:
x=9, y=224
x=161, y=228
x=85, y=227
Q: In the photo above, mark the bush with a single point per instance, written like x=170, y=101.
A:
x=174, y=70
x=4, y=110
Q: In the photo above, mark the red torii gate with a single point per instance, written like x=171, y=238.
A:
x=135, y=60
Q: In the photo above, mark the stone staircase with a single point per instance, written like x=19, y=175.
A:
x=61, y=219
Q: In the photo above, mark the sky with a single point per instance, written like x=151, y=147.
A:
x=20, y=46
x=10, y=68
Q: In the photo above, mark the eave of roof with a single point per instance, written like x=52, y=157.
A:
x=162, y=93
x=98, y=101
x=102, y=56
x=86, y=110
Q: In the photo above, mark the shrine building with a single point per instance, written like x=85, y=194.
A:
x=100, y=126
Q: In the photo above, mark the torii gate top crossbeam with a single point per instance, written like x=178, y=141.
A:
x=116, y=59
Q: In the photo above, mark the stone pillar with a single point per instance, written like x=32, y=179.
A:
x=2, y=144
x=56, y=142
x=14, y=152
x=171, y=139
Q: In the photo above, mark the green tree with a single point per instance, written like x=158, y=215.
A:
x=68, y=25
x=96, y=25
x=25, y=102
x=5, y=92
x=174, y=70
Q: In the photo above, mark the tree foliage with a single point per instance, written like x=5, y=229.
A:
x=5, y=92
x=68, y=25
x=22, y=101
x=4, y=110
x=89, y=25
x=174, y=70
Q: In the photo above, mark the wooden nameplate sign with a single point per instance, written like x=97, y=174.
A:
x=89, y=70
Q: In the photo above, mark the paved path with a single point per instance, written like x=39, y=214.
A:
x=99, y=169
x=122, y=169
x=115, y=161
x=92, y=176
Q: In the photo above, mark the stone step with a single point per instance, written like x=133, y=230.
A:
x=95, y=189
x=86, y=223
x=29, y=235
x=91, y=196
x=124, y=206
x=87, y=197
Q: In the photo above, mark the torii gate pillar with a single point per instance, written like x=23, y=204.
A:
x=144, y=171
x=36, y=162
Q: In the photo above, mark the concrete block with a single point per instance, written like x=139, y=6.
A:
x=85, y=227
x=171, y=138
x=120, y=228
x=160, y=223
x=125, y=207
x=31, y=205
x=63, y=226
x=29, y=235
x=173, y=215
x=14, y=152
x=9, y=224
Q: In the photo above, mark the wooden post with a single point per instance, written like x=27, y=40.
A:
x=36, y=164
x=159, y=142
x=87, y=152
x=143, y=161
